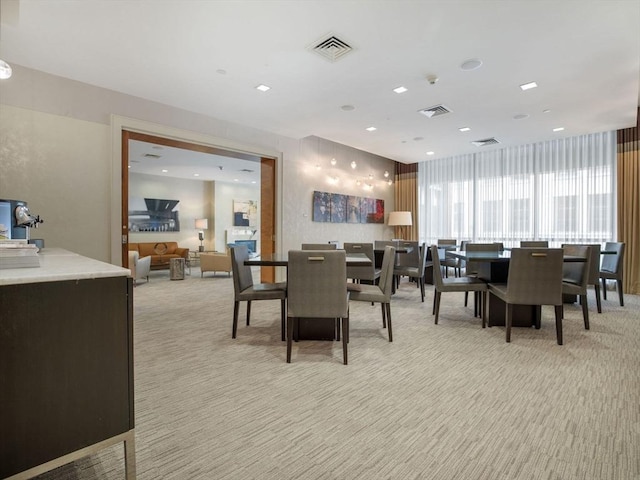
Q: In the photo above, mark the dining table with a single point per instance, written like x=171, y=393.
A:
x=493, y=267
x=310, y=328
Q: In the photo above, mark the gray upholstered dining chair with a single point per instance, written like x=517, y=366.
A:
x=457, y=284
x=366, y=273
x=594, y=270
x=446, y=263
x=535, y=278
x=317, y=283
x=612, y=268
x=471, y=268
x=319, y=246
x=534, y=244
x=245, y=290
x=380, y=293
x=412, y=265
x=575, y=276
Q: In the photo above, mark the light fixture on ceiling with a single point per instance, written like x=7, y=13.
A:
x=333, y=161
x=371, y=129
x=464, y=129
x=5, y=70
x=386, y=174
x=528, y=86
x=196, y=174
x=400, y=89
x=432, y=79
x=317, y=167
x=471, y=64
x=430, y=153
x=389, y=182
x=263, y=88
x=354, y=164
x=371, y=176
x=358, y=182
x=521, y=116
x=558, y=129
x=165, y=171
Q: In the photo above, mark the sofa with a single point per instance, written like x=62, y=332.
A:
x=160, y=252
x=215, y=262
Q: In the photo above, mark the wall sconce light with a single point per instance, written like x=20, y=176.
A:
x=371, y=176
x=389, y=182
x=5, y=70
x=386, y=174
x=317, y=167
x=358, y=182
x=333, y=161
x=354, y=164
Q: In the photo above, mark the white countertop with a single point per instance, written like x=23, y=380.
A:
x=57, y=264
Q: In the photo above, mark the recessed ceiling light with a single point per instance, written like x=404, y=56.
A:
x=430, y=153
x=371, y=129
x=546, y=111
x=196, y=174
x=347, y=108
x=5, y=70
x=263, y=88
x=471, y=64
x=235, y=179
x=128, y=166
x=521, y=116
x=529, y=86
x=253, y=181
x=165, y=171
x=400, y=89
x=558, y=129
x=464, y=129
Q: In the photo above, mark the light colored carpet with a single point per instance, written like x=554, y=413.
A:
x=447, y=401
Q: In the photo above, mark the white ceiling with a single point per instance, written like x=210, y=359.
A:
x=208, y=57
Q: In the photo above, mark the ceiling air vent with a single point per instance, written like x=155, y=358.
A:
x=435, y=111
x=485, y=142
x=331, y=48
x=247, y=170
x=151, y=155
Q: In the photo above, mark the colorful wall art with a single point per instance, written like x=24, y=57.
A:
x=339, y=208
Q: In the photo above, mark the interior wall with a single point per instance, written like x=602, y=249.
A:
x=58, y=153
x=225, y=194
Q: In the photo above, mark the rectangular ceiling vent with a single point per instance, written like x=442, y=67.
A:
x=435, y=111
x=331, y=48
x=485, y=142
x=247, y=170
x=151, y=155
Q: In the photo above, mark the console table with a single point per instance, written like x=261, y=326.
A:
x=66, y=356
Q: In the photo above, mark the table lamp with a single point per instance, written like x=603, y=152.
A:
x=400, y=219
x=201, y=224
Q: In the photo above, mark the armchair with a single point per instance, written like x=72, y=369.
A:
x=215, y=262
x=139, y=266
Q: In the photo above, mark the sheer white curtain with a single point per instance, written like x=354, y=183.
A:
x=561, y=191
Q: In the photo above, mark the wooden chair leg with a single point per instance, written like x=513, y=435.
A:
x=466, y=298
x=421, y=282
x=248, y=311
x=436, y=300
x=283, y=309
x=604, y=288
x=585, y=311
x=384, y=319
x=345, y=335
x=559, y=323
x=289, y=337
x=596, y=287
x=620, y=292
x=508, y=321
x=234, y=330
x=388, y=308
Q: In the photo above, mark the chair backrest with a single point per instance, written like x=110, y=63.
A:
x=317, y=284
x=242, y=276
x=594, y=264
x=409, y=259
x=365, y=272
x=612, y=263
x=319, y=246
x=534, y=243
x=386, y=273
x=577, y=273
x=380, y=244
x=472, y=267
x=535, y=276
x=447, y=241
x=437, y=271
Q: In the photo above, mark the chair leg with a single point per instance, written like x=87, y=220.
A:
x=289, y=337
x=345, y=335
x=283, y=308
x=234, y=330
x=508, y=321
x=484, y=309
x=620, y=292
x=596, y=287
x=421, y=281
x=337, y=329
x=559, y=323
x=436, y=304
x=604, y=288
x=466, y=298
x=248, y=311
x=388, y=308
x=384, y=318
x=585, y=311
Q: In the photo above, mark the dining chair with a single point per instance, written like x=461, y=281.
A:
x=612, y=268
x=317, y=283
x=445, y=262
x=471, y=268
x=412, y=265
x=457, y=284
x=319, y=246
x=535, y=278
x=594, y=270
x=380, y=244
x=534, y=244
x=246, y=291
x=381, y=292
x=575, y=276
x=368, y=273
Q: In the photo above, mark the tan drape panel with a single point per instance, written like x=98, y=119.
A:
x=629, y=204
x=406, y=197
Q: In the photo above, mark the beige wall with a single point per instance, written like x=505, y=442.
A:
x=58, y=152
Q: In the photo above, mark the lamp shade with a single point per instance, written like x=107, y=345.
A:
x=202, y=223
x=399, y=219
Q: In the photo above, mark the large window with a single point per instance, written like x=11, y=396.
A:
x=561, y=191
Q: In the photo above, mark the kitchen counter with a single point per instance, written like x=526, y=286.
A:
x=57, y=264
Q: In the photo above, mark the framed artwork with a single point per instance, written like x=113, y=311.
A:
x=378, y=214
x=367, y=206
x=353, y=209
x=153, y=215
x=338, y=208
x=321, y=207
x=245, y=213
